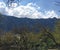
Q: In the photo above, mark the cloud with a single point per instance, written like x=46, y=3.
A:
x=30, y=10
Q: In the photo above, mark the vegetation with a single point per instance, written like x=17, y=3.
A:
x=56, y=32
x=23, y=39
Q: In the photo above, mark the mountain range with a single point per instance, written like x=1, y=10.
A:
x=7, y=23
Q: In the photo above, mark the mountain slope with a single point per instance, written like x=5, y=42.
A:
x=9, y=22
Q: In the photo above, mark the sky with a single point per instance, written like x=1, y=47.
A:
x=34, y=9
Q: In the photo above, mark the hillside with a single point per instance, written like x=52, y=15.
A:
x=47, y=33
x=10, y=22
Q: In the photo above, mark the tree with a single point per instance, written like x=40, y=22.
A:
x=47, y=38
x=9, y=41
x=57, y=31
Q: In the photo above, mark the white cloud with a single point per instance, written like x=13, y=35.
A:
x=2, y=5
x=29, y=11
x=50, y=14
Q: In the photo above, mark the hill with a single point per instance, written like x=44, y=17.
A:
x=9, y=22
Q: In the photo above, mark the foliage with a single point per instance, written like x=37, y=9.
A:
x=23, y=39
x=56, y=32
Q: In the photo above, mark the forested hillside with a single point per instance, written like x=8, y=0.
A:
x=23, y=39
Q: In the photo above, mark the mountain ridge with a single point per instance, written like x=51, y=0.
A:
x=9, y=22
